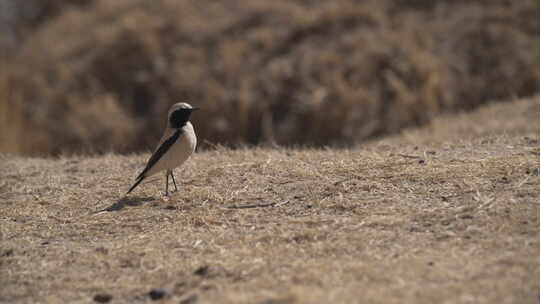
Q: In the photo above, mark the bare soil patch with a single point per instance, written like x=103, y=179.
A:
x=425, y=217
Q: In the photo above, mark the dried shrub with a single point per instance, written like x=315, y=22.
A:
x=285, y=72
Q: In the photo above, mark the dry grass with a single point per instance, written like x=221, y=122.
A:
x=294, y=72
x=410, y=219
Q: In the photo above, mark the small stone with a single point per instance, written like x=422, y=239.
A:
x=202, y=271
x=102, y=298
x=102, y=250
x=7, y=252
x=157, y=294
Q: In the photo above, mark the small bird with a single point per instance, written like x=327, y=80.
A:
x=174, y=148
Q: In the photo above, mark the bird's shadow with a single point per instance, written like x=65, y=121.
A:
x=127, y=202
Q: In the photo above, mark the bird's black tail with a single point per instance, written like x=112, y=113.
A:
x=139, y=180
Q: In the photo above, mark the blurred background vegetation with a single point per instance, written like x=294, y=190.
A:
x=91, y=76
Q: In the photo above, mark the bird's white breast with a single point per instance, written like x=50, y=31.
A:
x=179, y=152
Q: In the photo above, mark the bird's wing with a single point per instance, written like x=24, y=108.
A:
x=168, y=139
x=135, y=185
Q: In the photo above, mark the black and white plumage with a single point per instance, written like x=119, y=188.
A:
x=174, y=148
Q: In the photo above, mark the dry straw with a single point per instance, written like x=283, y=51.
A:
x=281, y=72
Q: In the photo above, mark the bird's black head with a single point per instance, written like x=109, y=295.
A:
x=179, y=114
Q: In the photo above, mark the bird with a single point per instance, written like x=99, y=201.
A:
x=175, y=147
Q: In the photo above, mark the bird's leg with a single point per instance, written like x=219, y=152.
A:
x=174, y=182
x=167, y=183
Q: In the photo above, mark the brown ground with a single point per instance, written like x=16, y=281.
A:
x=445, y=214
